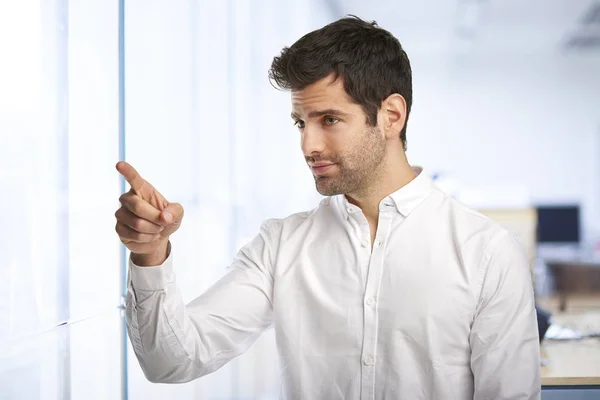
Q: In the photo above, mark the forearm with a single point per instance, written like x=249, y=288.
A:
x=156, y=345
x=167, y=344
x=175, y=342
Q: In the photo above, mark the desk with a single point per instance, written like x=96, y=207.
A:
x=560, y=267
x=573, y=362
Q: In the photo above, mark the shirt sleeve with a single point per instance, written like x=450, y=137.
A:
x=505, y=350
x=174, y=342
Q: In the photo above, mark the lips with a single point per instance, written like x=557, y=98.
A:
x=320, y=168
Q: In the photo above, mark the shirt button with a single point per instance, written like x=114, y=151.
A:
x=370, y=301
x=368, y=360
x=379, y=243
x=350, y=211
x=364, y=243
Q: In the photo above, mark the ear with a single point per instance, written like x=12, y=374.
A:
x=393, y=110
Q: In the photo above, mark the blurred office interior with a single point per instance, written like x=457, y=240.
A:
x=506, y=118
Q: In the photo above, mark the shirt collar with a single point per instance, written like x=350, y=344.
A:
x=405, y=199
x=408, y=197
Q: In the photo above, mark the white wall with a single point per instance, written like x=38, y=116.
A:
x=500, y=124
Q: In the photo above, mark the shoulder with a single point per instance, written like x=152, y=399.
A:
x=500, y=240
x=475, y=233
x=467, y=220
x=275, y=228
x=497, y=247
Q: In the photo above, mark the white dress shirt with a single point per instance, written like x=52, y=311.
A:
x=440, y=307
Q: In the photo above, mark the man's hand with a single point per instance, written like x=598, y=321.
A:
x=146, y=219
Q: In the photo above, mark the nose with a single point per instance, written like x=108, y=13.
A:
x=312, y=142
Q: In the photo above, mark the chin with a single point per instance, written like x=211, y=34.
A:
x=326, y=192
x=325, y=187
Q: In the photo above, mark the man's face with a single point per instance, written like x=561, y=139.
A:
x=344, y=153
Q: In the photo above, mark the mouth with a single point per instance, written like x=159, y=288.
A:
x=320, y=169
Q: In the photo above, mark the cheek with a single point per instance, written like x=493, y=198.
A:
x=339, y=150
x=363, y=149
x=345, y=146
x=351, y=154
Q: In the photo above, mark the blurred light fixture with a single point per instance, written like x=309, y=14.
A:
x=586, y=34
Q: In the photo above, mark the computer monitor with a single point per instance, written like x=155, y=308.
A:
x=558, y=224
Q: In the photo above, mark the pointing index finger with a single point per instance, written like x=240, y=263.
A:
x=131, y=175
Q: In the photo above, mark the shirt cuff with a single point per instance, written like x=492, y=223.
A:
x=152, y=278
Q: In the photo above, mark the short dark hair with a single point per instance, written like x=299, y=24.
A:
x=369, y=59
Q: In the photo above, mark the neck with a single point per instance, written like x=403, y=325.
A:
x=395, y=173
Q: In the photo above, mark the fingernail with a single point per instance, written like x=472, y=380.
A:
x=168, y=217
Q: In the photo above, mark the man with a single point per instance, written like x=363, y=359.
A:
x=388, y=289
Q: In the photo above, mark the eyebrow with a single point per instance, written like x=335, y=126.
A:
x=320, y=113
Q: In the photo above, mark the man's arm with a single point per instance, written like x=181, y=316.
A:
x=505, y=352
x=178, y=343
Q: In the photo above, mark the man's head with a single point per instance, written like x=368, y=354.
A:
x=351, y=94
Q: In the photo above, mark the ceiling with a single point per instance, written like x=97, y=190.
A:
x=485, y=27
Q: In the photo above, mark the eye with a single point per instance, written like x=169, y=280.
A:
x=331, y=121
x=299, y=124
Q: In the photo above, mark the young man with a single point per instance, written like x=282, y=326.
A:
x=388, y=289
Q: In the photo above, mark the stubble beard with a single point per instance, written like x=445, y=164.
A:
x=358, y=170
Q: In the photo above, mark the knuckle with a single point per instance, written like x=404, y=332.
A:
x=138, y=223
x=136, y=207
x=143, y=238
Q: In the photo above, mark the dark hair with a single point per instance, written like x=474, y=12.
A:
x=369, y=59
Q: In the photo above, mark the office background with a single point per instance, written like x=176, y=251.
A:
x=506, y=114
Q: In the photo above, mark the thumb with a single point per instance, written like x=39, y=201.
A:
x=171, y=217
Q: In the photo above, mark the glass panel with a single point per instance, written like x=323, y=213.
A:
x=35, y=367
x=33, y=146
x=94, y=248
x=81, y=360
x=96, y=368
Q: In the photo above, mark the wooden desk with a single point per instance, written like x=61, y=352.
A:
x=563, y=267
x=573, y=362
